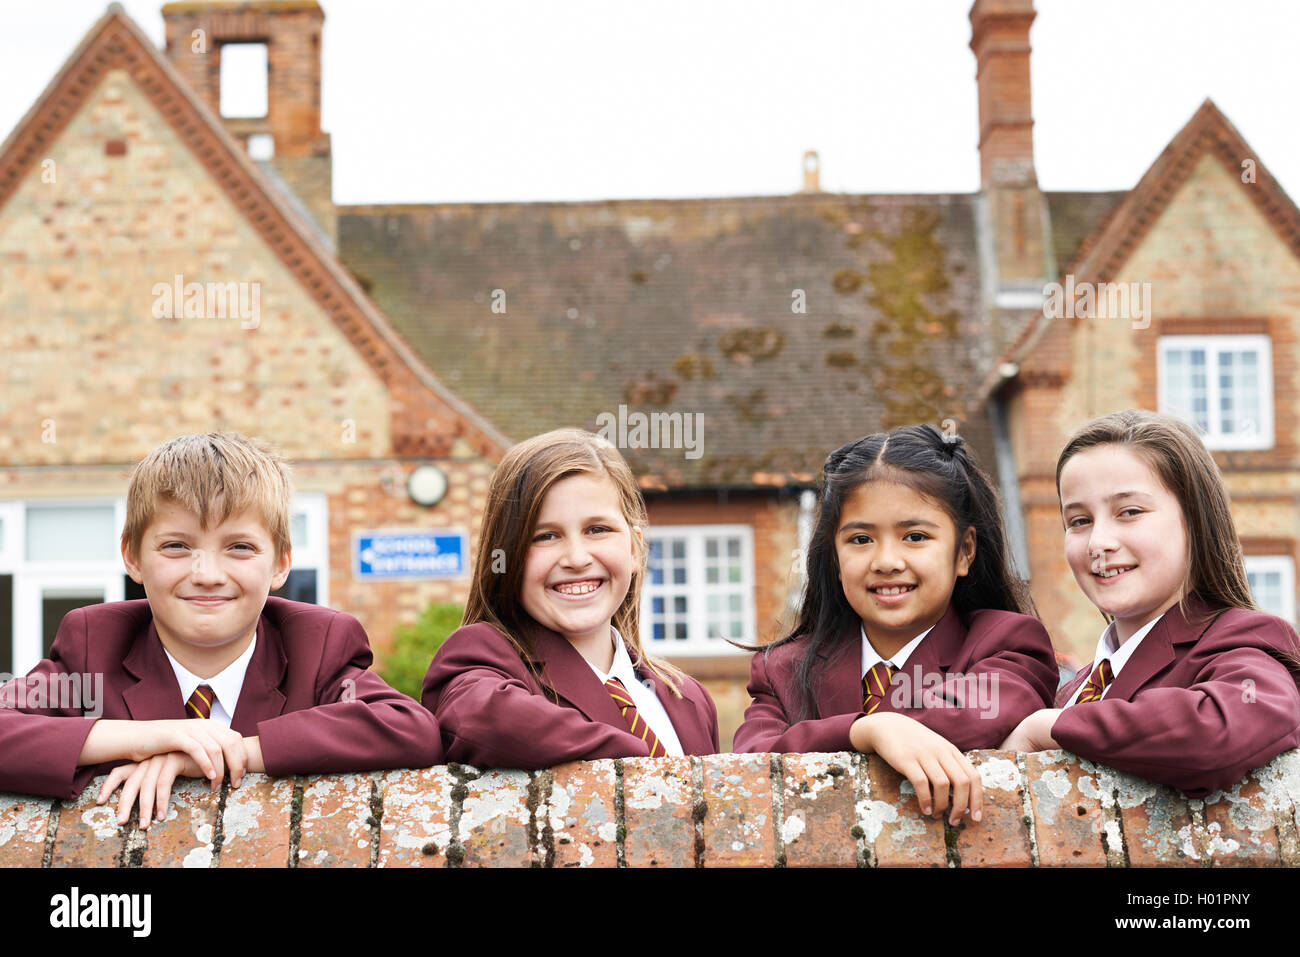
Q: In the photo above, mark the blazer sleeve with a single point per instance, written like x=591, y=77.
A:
x=478, y=689
x=359, y=723
x=1241, y=712
x=1010, y=673
x=40, y=746
x=768, y=728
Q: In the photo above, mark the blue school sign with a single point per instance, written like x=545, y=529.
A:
x=427, y=553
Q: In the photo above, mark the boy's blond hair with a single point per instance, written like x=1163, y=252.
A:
x=214, y=475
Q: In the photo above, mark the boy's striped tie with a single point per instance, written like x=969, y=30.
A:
x=635, y=723
x=1096, y=684
x=874, y=685
x=200, y=703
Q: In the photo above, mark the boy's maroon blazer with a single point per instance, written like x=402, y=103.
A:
x=494, y=712
x=1203, y=700
x=1013, y=649
x=306, y=694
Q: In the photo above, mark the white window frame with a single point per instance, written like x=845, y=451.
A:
x=1214, y=346
x=697, y=590
x=314, y=553
x=32, y=578
x=1285, y=565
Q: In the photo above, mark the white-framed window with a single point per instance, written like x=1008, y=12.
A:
x=699, y=590
x=59, y=554
x=1221, y=385
x=309, y=578
x=1272, y=582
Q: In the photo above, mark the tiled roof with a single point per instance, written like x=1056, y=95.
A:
x=690, y=306
x=1075, y=217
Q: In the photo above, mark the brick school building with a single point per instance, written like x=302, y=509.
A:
x=165, y=269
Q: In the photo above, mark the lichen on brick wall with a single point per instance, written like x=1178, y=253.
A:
x=1048, y=809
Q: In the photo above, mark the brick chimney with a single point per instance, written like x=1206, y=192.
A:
x=811, y=172
x=1000, y=39
x=291, y=30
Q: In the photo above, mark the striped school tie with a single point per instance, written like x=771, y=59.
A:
x=1096, y=684
x=200, y=703
x=874, y=685
x=635, y=723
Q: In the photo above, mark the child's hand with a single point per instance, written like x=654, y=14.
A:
x=1034, y=733
x=213, y=746
x=928, y=760
x=152, y=781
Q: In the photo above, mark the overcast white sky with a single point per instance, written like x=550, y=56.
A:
x=432, y=101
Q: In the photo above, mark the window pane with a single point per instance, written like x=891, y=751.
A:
x=298, y=530
x=57, y=602
x=300, y=586
x=71, y=533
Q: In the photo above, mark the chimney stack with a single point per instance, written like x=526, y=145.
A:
x=291, y=31
x=811, y=172
x=1000, y=39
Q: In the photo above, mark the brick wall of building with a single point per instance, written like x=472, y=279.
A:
x=83, y=349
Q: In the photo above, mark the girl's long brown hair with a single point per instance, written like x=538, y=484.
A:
x=1175, y=453
x=515, y=495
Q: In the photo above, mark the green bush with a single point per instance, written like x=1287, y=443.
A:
x=414, y=647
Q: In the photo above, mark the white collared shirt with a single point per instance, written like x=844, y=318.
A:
x=226, y=685
x=1118, y=656
x=871, y=657
x=643, y=696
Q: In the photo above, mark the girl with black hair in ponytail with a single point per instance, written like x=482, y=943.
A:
x=915, y=639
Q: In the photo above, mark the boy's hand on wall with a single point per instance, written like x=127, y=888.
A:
x=151, y=780
x=213, y=747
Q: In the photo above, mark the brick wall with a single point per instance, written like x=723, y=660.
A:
x=815, y=810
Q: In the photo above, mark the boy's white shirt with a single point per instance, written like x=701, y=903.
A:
x=647, y=702
x=226, y=685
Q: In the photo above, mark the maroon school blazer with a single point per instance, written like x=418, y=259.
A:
x=1014, y=649
x=307, y=695
x=493, y=711
x=1203, y=700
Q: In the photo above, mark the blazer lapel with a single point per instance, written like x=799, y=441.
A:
x=260, y=697
x=155, y=695
x=839, y=675
x=1157, y=649
x=571, y=677
x=939, y=649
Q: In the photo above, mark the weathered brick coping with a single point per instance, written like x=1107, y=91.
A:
x=1043, y=810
